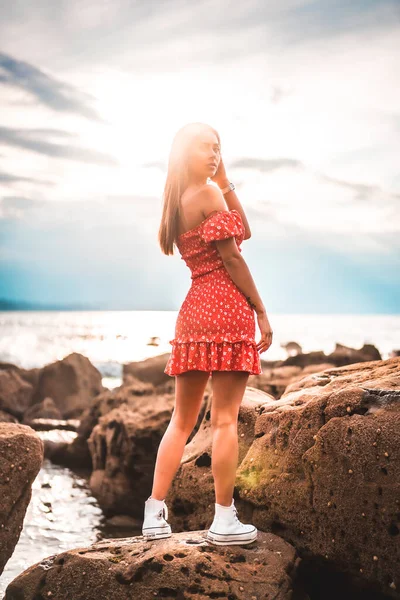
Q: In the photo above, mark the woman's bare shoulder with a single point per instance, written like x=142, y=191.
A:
x=210, y=198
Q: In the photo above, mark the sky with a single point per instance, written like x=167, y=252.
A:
x=304, y=94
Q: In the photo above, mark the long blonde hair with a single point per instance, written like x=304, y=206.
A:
x=176, y=182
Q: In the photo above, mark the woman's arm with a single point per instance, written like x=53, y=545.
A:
x=221, y=179
x=241, y=276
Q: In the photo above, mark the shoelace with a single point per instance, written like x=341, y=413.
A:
x=236, y=517
x=163, y=512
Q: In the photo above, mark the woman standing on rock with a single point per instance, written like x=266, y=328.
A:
x=215, y=327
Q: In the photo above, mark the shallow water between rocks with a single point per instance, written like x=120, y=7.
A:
x=61, y=515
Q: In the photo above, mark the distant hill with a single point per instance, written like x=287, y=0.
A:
x=6, y=304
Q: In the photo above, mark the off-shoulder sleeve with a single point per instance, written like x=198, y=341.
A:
x=222, y=225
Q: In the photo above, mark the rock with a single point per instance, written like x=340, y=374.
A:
x=304, y=359
x=15, y=393
x=191, y=496
x=5, y=417
x=43, y=410
x=77, y=454
x=317, y=368
x=150, y=370
x=274, y=380
x=21, y=455
x=292, y=348
x=131, y=381
x=183, y=566
x=324, y=469
x=124, y=522
x=342, y=355
x=29, y=375
x=72, y=383
x=123, y=447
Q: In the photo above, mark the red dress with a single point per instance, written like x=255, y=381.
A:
x=215, y=326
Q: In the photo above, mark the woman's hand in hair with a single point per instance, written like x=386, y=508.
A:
x=220, y=177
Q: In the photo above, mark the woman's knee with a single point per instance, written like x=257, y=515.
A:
x=223, y=419
x=184, y=424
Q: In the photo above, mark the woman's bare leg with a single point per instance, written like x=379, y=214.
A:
x=189, y=393
x=228, y=391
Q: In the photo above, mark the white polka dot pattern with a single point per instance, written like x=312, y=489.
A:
x=215, y=326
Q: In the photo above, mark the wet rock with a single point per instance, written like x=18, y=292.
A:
x=184, y=566
x=43, y=410
x=323, y=470
x=72, y=383
x=21, y=455
x=15, y=393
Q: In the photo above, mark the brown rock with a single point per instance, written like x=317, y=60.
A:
x=341, y=356
x=29, y=375
x=274, y=380
x=123, y=447
x=317, y=368
x=150, y=370
x=5, y=417
x=182, y=566
x=324, y=469
x=15, y=393
x=21, y=455
x=72, y=383
x=304, y=359
x=135, y=396
x=43, y=410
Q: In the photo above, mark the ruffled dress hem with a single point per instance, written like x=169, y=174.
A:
x=212, y=355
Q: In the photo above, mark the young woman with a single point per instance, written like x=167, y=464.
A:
x=215, y=327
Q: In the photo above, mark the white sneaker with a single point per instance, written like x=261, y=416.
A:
x=155, y=524
x=226, y=529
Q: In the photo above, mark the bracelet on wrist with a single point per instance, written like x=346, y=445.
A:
x=228, y=188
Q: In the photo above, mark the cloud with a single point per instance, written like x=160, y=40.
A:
x=37, y=140
x=156, y=164
x=49, y=91
x=9, y=179
x=266, y=165
x=361, y=191
x=152, y=36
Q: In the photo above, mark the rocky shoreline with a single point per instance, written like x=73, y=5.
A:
x=318, y=475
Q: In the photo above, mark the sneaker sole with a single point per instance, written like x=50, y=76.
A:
x=164, y=533
x=156, y=536
x=221, y=539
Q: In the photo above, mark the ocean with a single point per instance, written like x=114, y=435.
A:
x=110, y=338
